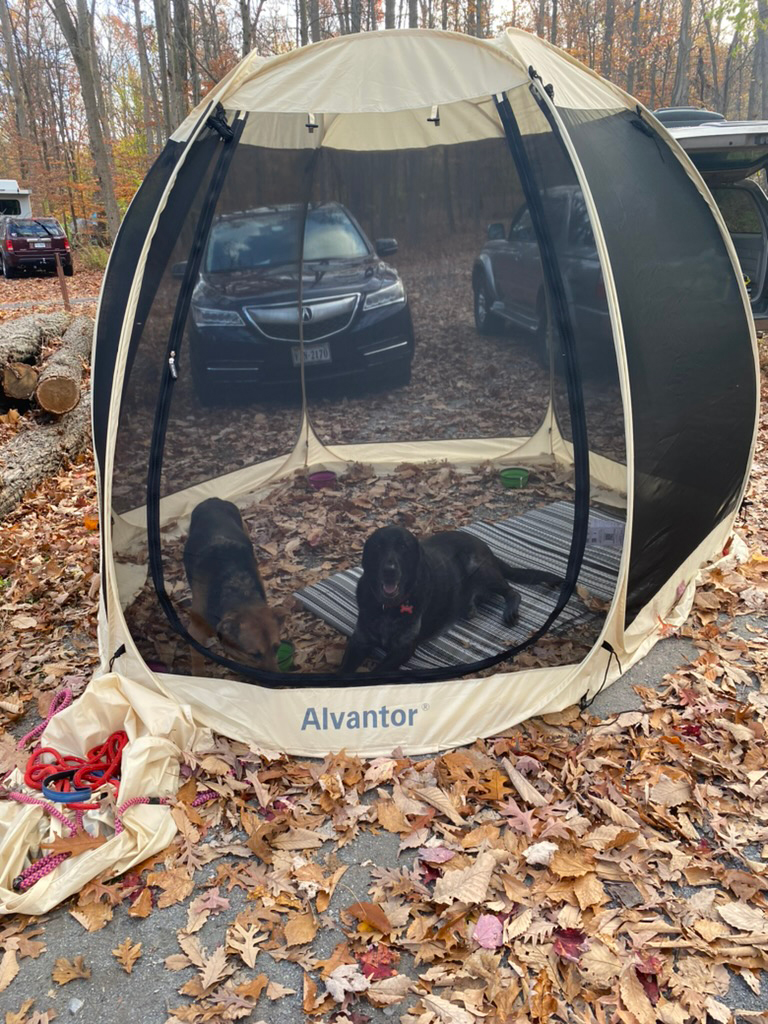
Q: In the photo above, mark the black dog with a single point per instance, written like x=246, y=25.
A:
x=412, y=589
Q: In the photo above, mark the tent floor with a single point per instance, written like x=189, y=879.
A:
x=304, y=536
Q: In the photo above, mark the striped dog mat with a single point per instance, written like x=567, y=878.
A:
x=538, y=539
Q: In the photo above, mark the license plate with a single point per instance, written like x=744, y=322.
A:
x=312, y=354
x=40, y=245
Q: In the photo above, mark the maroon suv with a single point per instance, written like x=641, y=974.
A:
x=31, y=243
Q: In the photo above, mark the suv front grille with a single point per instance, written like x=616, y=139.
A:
x=321, y=318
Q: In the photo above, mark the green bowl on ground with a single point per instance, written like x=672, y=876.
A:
x=285, y=657
x=514, y=477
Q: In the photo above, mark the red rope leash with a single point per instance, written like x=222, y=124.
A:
x=76, y=776
x=58, y=776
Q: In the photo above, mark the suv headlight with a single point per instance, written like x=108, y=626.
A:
x=385, y=296
x=216, y=317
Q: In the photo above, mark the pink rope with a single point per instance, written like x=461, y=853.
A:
x=134, y=802
x=38, y=870
x=25, y=798
x=204, y=797
x=60, y=701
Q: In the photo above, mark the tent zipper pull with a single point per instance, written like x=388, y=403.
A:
x=172, y=365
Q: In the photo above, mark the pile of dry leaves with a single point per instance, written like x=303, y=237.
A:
x=570, y=870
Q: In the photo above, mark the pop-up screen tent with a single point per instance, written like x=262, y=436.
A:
x=363, y=279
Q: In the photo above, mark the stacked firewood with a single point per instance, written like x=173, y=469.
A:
x=46, y=378
x=54, y=383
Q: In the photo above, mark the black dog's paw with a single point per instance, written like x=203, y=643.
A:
x=510, y=616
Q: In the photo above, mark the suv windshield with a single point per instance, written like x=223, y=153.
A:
x=43, y=227
x=269, y=238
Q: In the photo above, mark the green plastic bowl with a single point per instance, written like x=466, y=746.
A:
x=514, y=477
x=285, y=657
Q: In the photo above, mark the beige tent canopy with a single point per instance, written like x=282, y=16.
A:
x=398, y=263
x=431, y=137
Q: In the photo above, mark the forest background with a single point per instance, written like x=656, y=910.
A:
x=91, y=89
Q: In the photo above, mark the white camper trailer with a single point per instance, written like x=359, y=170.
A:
x=14, y=201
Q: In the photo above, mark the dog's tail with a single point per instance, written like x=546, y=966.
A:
x=518, y=574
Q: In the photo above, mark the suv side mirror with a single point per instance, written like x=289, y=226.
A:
x=385, y=247
x=496, y=232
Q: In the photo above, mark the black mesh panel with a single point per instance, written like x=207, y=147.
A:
x=688, y=347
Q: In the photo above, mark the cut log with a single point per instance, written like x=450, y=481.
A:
x=19, y=380
x=33, y=455
x=22, y=339
x=58, y=389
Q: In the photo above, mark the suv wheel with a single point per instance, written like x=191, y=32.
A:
x=9, y=271
x=485, y=321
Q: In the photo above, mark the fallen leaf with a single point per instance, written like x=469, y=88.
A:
x=20, y=1017
x=9, y=968
x=245, y=942
x=540, y=854
x=127, y=953
x=69, y=970
x=470, y=885
x=488, y=931
x=215, y=968
x=746, y=919
x=389, y=991
x=343, y=979
x=175, y=883
x=299, y=929
x=74, y=845
x=372, y=915
x=142, y=905
x=447, y=1013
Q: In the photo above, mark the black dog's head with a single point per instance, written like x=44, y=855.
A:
x=390, y=563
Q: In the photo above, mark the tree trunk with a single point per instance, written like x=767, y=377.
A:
x=754, y=101
x=717, y=101
x=606, y=64
x=162, y=32
x=58, y=389
x=389, y=13
x=733, y=47
x=413, y=13
x=78, y=34
x=681, y=88
x=34, y=455
x=146, y=77
x=634, y=45
x=762, y=46
x=541, y=18
x=19, y=381
x=179, y=64
x=553, y=26
x=22, y=339
x=17, y=88
x=314, y=21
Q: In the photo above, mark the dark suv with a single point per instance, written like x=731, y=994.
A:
x=727, y=154
x=508, y=279
x=31, y=243
x=246, y=319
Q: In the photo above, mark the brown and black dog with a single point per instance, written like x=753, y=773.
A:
x=228, y=598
